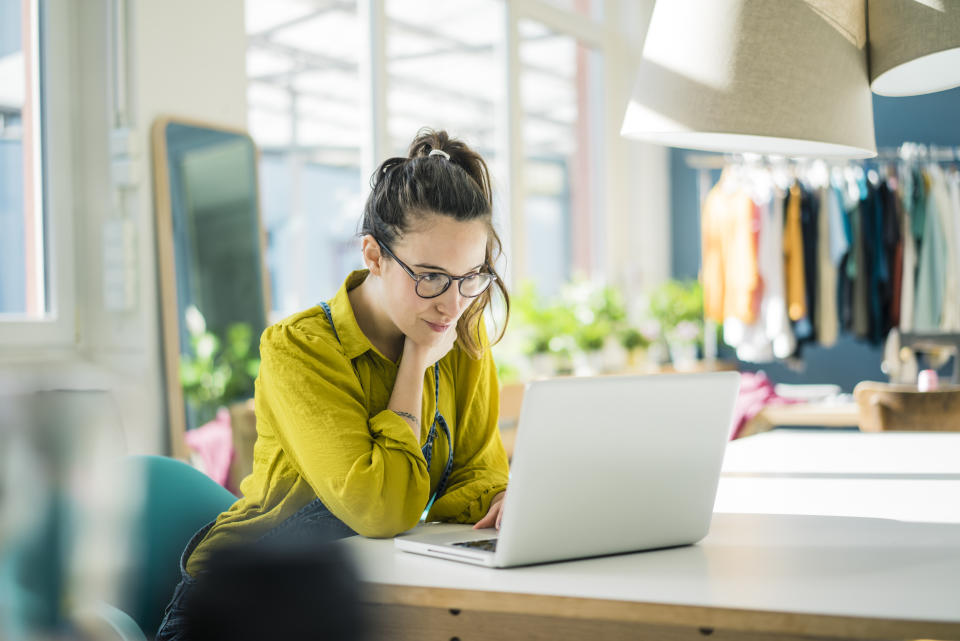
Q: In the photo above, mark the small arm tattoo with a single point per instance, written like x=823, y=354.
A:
x=408, y=416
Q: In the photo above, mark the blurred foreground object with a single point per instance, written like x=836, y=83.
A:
x=64, y=513
x=300, y=588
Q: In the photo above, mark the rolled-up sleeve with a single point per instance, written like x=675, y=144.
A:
x=480, y=467
x=369, y=471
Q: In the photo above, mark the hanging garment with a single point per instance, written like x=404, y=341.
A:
x=773, y=306
x=750, y=340
x=731, y=282
x=918, y=204
x=953, y=190
x=950, y=303
x=876, y=264
x=839, y=226
x=908, y=280
x=848, y=202
x=858, y=273
x=931, y=272
x=889, y=241
x=809, y=224
x=771, y=336
x=826, y=312
x=793, y=257
x=893, y=223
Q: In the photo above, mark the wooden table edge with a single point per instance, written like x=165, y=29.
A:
x=794, y=623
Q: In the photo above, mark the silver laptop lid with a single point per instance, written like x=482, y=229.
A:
x=615, y=464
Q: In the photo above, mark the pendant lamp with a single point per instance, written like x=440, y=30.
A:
x=784, y=77
x=914, y=46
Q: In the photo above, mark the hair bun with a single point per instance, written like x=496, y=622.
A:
x=429, y=140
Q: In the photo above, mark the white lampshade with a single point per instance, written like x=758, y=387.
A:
x=765, y=76
x=914, y=46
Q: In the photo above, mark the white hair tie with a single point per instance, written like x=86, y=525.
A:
x=439, y=152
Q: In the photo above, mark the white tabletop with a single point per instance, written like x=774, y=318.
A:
x=809, y=554
x=910, y=476
x=833, y=453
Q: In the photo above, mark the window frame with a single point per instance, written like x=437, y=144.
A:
x=51, y=54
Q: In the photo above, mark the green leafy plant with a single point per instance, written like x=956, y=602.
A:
x=632, y=338
x=585, y=315
x=219, y=370
x=678, y=306
x=590, y=338
x=598, y=312
x=542, y=322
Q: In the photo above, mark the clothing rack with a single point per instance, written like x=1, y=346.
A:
x=907, y=155
x=907, y=152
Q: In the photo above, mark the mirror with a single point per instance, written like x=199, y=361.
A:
x=210, y=248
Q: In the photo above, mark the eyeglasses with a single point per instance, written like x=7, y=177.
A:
x=432, y=284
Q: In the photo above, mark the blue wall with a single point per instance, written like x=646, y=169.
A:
x=930, y=119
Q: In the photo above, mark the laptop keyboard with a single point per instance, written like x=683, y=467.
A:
x=488, y=545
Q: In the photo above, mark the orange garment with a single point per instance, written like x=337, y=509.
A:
x=730, y=275
x=793, y=258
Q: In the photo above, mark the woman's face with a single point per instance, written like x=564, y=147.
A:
x=436, y=243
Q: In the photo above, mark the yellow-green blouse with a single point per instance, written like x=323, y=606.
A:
x=323, y=430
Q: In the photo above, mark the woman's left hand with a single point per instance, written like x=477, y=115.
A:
x=492, y=519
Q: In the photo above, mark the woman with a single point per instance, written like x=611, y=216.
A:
x=381, y=405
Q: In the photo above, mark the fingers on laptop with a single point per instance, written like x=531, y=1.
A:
x=493, y=515
x=487, y=521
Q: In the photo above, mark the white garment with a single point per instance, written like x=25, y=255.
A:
x=751, y=341
x=953, y=191
x=950, y=307
x=773, y=307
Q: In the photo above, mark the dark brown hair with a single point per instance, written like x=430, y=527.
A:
x=403, y=189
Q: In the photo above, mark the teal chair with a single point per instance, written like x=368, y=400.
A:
x=178, y=500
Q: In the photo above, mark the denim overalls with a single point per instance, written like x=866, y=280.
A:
x=312, y=516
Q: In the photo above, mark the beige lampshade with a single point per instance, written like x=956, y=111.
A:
x=914, y=46
x=765, y=76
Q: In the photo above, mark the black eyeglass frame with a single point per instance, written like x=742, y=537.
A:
x=419, y=277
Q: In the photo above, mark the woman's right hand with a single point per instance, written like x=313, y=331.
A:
x=407, y=396
x=426, y=354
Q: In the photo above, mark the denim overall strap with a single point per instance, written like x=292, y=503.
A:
x=432, y=435
x=326, y=310
x=428, y=447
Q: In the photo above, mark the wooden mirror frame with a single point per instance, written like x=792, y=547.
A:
x=167, y=273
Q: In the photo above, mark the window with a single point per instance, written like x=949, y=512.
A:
x=305, y=115
x=336, y=87
x=561, y=87
x=23, y=290
x=36, y=290
x=442, y=71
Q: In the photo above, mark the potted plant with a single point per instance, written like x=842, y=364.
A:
x=678, y=306
x=683, y=343
x=634, y=344
x=597, y=313
x=547, y=330
x=219, y=371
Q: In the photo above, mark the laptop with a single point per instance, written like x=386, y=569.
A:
x=603, y=465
